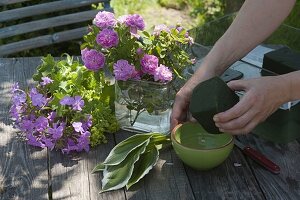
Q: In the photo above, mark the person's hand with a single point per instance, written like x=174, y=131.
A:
x=263, y=96
x=180, y=107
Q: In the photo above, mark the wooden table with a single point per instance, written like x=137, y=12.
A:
x=31, y=173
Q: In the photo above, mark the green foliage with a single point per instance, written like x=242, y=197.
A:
x=130, y=160
x=72, y=78
x=175, y=4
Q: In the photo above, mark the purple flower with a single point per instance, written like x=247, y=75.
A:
x=88, y=123
x=163, y=74
x=159, y=28
x=104, y=20
x=57, y=131
x=37, y=98
x=139, y=51
x=83, y=141
x=123, y=70
x=78, y=103
x=19, y=97
x=92, y=59
x=27, y=126
x=41, y=123
x=67, y=100
x=51, y=116
x=135, y=22
x=46, y=81
x=32, y=140
x=149, y=63
x=47, y=142
x=107, y=38
x=77, y=127
x=71, y=146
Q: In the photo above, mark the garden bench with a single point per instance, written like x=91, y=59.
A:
x=25, y=20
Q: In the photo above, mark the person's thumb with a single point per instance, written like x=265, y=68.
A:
x=237, y=85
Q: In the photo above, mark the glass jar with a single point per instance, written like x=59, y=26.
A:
x=144, y=106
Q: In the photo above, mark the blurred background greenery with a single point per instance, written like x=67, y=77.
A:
x=205, y=18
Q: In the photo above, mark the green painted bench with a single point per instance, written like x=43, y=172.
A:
x=28, y=19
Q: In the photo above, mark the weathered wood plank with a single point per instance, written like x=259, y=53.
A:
x=23, y=169
x=44, y=8
x=8, y=2
x=167, y=180
x=225, y=181
x=42, y=41
x=47, y=23
x=286, y=185
x=72, y=178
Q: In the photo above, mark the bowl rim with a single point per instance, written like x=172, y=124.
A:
x=173, y=138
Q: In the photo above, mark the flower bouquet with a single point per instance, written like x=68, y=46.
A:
x=145, y=67
x=68, y=109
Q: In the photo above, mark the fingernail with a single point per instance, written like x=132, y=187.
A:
x=217, y=125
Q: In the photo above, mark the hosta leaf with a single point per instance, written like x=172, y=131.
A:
x=117, y=176
x=99, y=167
x=121, y=150
x=142, y=167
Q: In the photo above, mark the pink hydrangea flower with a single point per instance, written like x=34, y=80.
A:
x=149, y=63
x=92, y=59
x=123, y=70
x=162, y=74
x=107, y=38
x=104, y=20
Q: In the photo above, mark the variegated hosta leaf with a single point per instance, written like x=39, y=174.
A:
x=121, y=150
x=142, y=167
x=117, y=176
x=99, y=167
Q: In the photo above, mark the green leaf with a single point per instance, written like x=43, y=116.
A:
x=142, y=167
x=99, y=167
x=121, y=150
x=117, y=176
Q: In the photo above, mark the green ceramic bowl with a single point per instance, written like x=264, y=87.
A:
x=199, y=149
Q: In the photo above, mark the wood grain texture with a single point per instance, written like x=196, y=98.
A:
x=47, y=23
x=167, y=180
x=286, y=185
x=225, y=181
x=8, y=2
x=23, y=170
x=42, y=41
x=44, y=8
x=72, y=178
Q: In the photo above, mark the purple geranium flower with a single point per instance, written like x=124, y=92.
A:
x=57, y=131
x=107, y=38
x=67, y=100
x=77, y=127
x=149, y=63
x=92, y=59
x=41, y=124
x=83, y=141
x=32, y=140
x=78, y=103
x=123, y=70
x=46, y=81
x=37, y=98
x=162, y=74
x=27, y=126
x=104, y=20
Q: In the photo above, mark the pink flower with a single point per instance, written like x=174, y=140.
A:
x=159, y=28
x=149, y=63
x=123, y=70
x=135, y=22
x=104, y=20
x=92, y=59
x=107, y=38
x=162, y=74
